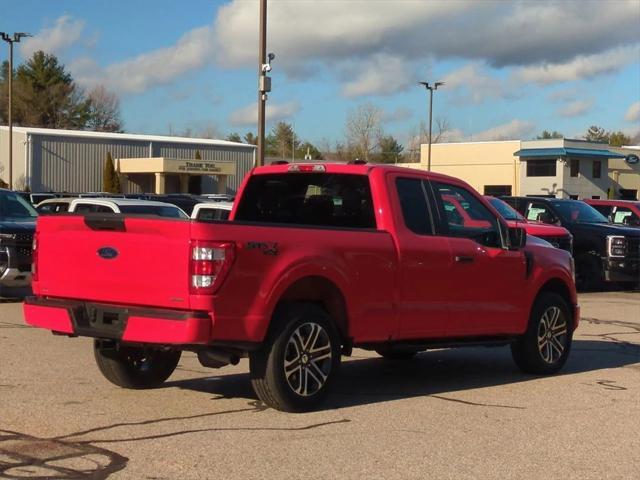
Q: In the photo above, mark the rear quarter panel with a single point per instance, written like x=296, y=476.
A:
x=269, y=259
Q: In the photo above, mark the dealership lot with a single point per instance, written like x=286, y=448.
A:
x=464, y=413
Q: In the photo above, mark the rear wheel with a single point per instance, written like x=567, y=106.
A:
x=545, y=346
x=134, y=367
x=299, y=360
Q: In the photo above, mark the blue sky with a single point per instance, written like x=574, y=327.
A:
x=511, y=69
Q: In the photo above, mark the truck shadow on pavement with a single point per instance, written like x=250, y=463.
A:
x=366, y=380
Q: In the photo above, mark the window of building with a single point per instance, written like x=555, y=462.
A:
x=573, y=197
x=413, y=202
x=595, y=197
x=597, y=168
x=574, y=166
x=541, y=168
x=497, y=190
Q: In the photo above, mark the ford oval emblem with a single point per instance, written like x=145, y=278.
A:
x=108, y=253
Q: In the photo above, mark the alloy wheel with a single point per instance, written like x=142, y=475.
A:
x=552, y=335
x=308, y=359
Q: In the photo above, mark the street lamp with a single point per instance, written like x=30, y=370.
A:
x=264, y=82
x=11, y=40
x=431, y=88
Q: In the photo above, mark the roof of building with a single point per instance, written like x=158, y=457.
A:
x=565, y=152
x=125, y=136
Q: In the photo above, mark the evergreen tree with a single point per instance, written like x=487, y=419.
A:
x=390, y=150
x=110, y=179
x=46, y=96
x=197, y=155
x=234, y=137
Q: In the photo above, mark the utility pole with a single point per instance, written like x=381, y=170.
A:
x=264, y=82
x=16, y=39
x=431, y=88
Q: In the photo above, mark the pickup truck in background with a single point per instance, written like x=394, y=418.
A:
x=556, y=235
x=619, y=212
x=17, y=226
x=603, y=252
x=318, y=259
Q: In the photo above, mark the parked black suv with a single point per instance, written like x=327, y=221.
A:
x=17, y=226
x=603, y=252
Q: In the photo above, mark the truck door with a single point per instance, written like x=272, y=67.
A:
x=424, y=260
x=487, y=282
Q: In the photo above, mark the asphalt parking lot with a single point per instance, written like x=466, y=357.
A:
x=464, y=413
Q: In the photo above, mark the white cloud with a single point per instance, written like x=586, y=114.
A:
x=381, y=74
x=274, y=112
x=513, y=130
x=575, y=108
x=65, y=32
x=398, y=115
x=158, y=67
x=581, y=67
x=633, y=113
x=475, y=84
x=496, y=32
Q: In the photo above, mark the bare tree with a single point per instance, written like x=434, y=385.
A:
x=104, y=111
x=442, y=128
x=363, y=129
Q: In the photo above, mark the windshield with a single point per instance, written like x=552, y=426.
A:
x=14, y=207
x=171, y=212
x=505, y=210
x=574, y=211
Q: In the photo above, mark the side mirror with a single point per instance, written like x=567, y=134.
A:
x=517, y=238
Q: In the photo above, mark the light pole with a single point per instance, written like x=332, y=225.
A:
x=16, y=39
x=431, y=88
x=264, y=82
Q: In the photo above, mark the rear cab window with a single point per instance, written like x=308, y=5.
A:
x=334, y=200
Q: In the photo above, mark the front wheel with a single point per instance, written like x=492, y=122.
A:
x=134, y=367
x=545, y=346
x=299, y=359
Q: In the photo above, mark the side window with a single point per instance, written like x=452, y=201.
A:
x=603, y=209
x=478, y=223
x=102, y=209
x=625, y=216
x=83, y=208
x=413, y=202
x=539, y=212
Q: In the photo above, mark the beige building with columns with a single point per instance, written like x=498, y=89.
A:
x=562, y=168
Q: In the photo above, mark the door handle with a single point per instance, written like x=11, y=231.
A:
x=464, y=259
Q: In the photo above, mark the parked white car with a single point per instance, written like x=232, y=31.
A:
x=212, y=211
x=54, y=205
x=125, y=205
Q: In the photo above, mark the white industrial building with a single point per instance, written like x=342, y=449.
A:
x=73, y=161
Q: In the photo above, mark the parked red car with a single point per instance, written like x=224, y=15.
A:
x=620, y=212
x=318, y=259
x=557, y=236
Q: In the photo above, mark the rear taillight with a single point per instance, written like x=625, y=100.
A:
x=210, y=263
x=34, y=258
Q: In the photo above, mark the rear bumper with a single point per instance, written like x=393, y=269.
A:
x=128, y=324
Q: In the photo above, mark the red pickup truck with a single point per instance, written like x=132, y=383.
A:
x=318, y=259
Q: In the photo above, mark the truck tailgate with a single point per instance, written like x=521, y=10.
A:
x=127, y=260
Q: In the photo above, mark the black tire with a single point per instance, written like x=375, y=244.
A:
x=134, y=367
x=545, y=346
x=313, y=360
x=589, y=274
x=396, y=353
